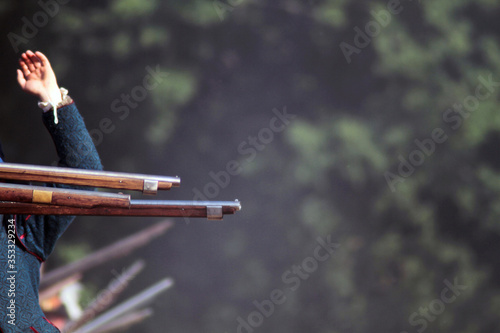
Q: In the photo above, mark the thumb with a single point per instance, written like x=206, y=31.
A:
x=20, y=78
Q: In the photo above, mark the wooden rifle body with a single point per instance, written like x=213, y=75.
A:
x=45, y=200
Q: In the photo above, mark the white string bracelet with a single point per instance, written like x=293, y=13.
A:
x=52, y=105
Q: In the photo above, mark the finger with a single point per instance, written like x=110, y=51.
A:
x=34, y=59
x=20, y=78
x=37, y=62
x=43, y=58
x=28, y=61
x=24, y=57
x=24, y=67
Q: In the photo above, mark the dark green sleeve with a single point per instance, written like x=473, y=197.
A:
x=75, y=149
x=73, y=143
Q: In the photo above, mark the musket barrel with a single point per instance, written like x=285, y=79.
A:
x=148, y=184
x=213, y=210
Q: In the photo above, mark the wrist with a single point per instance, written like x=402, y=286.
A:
x=63, y=100
x=53, y=97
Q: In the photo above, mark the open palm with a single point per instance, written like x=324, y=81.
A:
x=36, y=77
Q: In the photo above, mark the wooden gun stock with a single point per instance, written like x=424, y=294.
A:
x=148, y=184
x=61, y=197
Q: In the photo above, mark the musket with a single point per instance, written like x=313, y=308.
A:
x=114, y=251
x=128, y=306
x=45, y=200
x=213, y=210
x=148, y=184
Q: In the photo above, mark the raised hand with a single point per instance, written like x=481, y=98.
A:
x=36, y=77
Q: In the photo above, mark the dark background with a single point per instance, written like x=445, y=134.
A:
x=229, y=65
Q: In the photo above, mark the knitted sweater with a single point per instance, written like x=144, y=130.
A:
x=27, y=241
